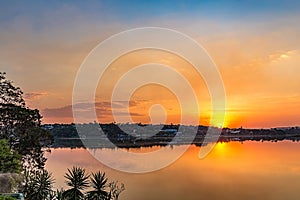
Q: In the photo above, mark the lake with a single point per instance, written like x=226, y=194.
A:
x=252, y=170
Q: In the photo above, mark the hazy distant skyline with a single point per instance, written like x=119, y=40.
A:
x=255, y=45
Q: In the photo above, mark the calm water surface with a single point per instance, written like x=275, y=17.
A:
x=252, y=170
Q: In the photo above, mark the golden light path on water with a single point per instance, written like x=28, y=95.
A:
x=252, y=170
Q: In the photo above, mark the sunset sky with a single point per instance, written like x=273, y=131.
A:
x=255, y=45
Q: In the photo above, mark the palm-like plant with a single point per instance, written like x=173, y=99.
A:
x=98, y=181
x=40, y=185
x=78, y=181
x=59, y=194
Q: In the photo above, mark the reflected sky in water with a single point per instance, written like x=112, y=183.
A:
x=252, y=170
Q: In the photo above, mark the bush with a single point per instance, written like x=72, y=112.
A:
x=10, y=182
x=6, y=198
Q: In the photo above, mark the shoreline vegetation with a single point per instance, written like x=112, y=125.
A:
x=23, y=144
x=146, y=135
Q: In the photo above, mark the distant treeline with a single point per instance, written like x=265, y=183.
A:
x=95, y=135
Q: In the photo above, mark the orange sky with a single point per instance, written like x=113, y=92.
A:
x=257, y=56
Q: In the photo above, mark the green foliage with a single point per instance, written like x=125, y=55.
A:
x=21, y=126
x=99, y=184
x=6, y=198
x=77, y=180
x=39, y=185
x=9, y=160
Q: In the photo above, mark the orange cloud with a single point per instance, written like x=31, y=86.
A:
x=103, y=110
x=31, y=96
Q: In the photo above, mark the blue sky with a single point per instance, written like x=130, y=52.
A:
x=130, y=10
x=43, y=44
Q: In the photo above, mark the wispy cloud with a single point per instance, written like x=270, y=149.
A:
x=34, y=95
x=103, y=110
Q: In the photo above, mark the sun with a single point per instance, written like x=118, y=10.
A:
x=221, y=120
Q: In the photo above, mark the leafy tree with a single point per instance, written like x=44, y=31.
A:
x=39, y=185
x=9, y=160
x=10, y=94
x=10, y=167
x=78, y=181
x=21, y=126
x=99, y=184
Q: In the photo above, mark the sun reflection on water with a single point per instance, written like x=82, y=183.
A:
x=252, y=170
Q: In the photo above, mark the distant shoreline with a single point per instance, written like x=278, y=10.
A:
x=65, y=135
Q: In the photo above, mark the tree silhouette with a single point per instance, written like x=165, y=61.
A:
x=9, y=94
x=39, y=186
x=115, y=190
x=78, y=181
x=59, y=194
x=98, y=182
x=21, y=126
